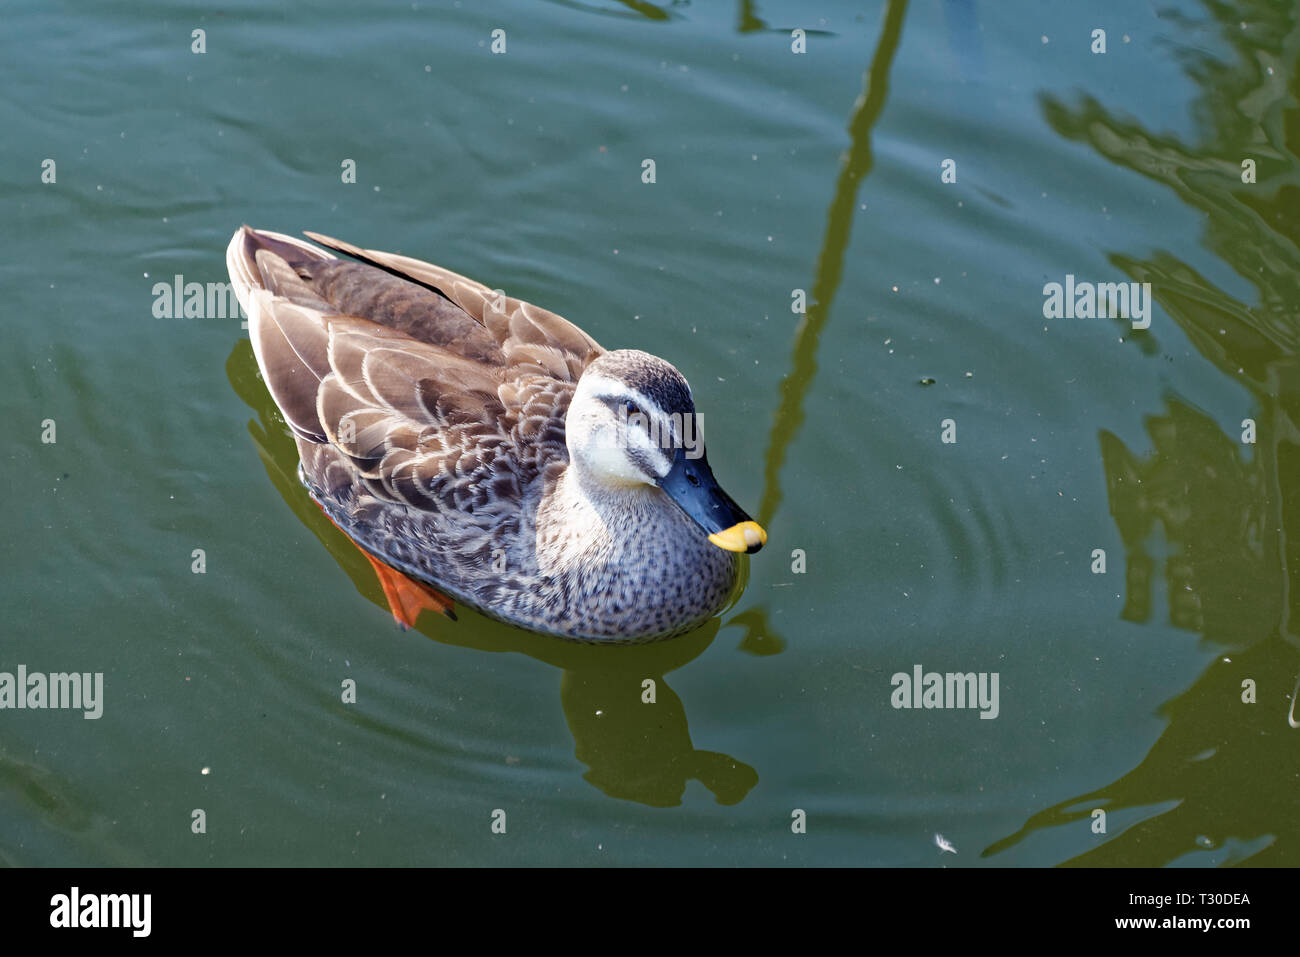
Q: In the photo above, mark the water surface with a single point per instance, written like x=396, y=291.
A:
x=775, y=171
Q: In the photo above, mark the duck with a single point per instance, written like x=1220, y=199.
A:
x=481, y=449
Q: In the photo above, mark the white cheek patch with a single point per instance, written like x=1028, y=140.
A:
x=627, y=453
x=595, y=440
x=612, y=463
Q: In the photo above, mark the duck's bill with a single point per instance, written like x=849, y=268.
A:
x=692, y=486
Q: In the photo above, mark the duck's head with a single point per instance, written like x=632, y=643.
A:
x=632, y=423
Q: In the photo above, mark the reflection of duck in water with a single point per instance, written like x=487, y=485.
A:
x=490, y=448
x=630, y=729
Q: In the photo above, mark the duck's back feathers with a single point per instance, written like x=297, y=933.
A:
x=533, y=340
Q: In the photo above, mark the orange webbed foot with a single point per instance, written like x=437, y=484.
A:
x=406, y=596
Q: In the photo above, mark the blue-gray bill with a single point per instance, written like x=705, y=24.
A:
x=691, y=485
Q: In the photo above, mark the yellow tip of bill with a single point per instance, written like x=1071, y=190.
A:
x=742, y=537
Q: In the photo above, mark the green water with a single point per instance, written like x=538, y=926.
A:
x=775, y=171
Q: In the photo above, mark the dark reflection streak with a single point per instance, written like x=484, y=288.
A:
x=856, y=164
x=749, y=23
x=635, y=8
x=647, y=10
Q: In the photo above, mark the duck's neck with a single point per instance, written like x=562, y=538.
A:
x=630, y=559
x=586, y=520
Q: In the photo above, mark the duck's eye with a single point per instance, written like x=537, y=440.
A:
x=631, y=408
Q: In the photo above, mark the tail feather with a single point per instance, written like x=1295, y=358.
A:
x=250, y=272
x=289, y=341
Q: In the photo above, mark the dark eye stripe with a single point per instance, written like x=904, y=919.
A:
x=641, y=461
x=618, y=404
